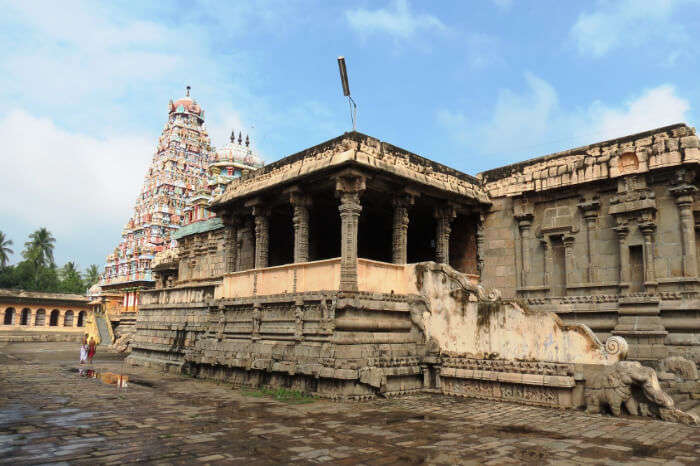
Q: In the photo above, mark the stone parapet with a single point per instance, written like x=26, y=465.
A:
x=639, y=153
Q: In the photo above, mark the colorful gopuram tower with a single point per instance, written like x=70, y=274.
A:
x=177, y=172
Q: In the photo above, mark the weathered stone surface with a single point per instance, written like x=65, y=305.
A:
x=680, y=366
x=613, y=388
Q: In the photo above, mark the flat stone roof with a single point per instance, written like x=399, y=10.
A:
x=25, y=296
x=359, y=150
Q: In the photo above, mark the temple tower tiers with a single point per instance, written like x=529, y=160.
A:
x=178, y=171
x=225, y=164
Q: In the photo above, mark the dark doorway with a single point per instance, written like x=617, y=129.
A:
x=374, y=235
x=281, y=245
x=24, y=320
x=636, y=269
x=9, y=316
x=81, y=317
x=324, y=228
x=421, y=233
x=559, y=267
x=53, y=321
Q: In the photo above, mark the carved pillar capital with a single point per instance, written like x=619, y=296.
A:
x=647, y=228
x=621, y=231
x=568, y=241
x=683, y=194
x=524, y=220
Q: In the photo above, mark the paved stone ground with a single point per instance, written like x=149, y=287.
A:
x=48, y=413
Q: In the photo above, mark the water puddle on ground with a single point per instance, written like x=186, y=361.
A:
x=110, y=378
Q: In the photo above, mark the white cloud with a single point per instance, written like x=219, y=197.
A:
x=533, y=122
x=482, y=50
x=397, y=21
x=655, y=107
x=69, y=181
x=627, y=23
x=516, y=117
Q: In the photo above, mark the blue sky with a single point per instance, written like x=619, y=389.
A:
x=474, y=85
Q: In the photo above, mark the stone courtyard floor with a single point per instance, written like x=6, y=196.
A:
x=49, y=413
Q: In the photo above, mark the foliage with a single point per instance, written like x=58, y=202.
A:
x=281, y=394
x=71, y=281
x=39, y=248
x=38, y=271
x=5, y=249
x=92, y=276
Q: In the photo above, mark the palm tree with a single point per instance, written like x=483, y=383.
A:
x=5, y=249
x=92, y=275
x=39, y=249
x=71, y=282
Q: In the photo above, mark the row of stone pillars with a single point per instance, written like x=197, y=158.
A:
x=348, y=190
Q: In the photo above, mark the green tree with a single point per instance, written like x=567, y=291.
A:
x=71, y=282
x=47, y=280
x=39, y=249
x=5, y=249
x=92, y=276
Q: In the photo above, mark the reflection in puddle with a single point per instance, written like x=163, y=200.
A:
x=105, y=377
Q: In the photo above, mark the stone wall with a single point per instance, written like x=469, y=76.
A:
x=604, y=235
x=333, y=344
x=203, y=255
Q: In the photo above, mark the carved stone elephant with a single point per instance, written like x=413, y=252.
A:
x=613, y=388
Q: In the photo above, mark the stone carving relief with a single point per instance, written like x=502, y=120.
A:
x=463, y=318
x=629, y=384
x=328, y=315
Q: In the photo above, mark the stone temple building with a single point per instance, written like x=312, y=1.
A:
x=355, y=268
x=604, y=235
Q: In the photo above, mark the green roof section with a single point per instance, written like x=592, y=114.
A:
x=199, y=227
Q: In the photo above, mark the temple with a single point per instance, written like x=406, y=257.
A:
x=355, y=268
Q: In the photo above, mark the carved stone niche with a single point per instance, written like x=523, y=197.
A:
x=633, y=195
x=628, y=163
x=558, y=219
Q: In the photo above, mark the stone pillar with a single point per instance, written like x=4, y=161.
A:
x=348, y=189
x=590, y=216
x=480, y=238
x=569, y=257
x=624, y=272
x=256, y=319
x=400, y=229
x=300, y=219
x=231, y=239
x=647, y=229
x=426, y=375
x=684, y=201
x=524, y=224
x=262, y=236
x=444, y=216
x=548, y=264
